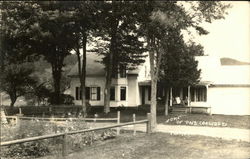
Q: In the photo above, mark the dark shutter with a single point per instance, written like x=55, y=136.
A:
x=98, y=93
x=80, y=97
x=77, y=95
x=149, y=93
x=112, y=93
x=87, y=93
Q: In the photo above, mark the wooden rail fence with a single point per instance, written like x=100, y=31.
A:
x=64, y=135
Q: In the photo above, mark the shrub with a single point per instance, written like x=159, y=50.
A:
x=27, y=150
x=64, y=99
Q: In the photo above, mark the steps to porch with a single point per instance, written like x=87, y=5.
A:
x=190, y=109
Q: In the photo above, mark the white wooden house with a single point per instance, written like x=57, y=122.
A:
x=223, y=88
x=125, y=89
x=226, y=89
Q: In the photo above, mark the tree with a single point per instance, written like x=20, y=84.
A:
x=85, y=19
x=37, y=28
x=178, y=66
x=16, y=60
x=119, y=33
x=156, y=20
x=17, y=81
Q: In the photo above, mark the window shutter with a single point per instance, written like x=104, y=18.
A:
x=98, y=93
x=87, y=93
x=112, y=93
x=80, y=97
x=76, y=95
x=149, y=93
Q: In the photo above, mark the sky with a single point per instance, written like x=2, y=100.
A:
x=229, y=37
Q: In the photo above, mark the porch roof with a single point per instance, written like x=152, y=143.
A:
x=145, y=83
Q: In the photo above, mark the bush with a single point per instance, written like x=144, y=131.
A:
x=64, y=99
x=27, y=150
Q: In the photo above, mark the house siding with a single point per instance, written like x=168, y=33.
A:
x=131, y=84
x=229, y=100
x=133, y=91
x=90, y=81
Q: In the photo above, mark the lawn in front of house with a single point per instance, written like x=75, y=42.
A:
x=162, y=146
x=233, y=121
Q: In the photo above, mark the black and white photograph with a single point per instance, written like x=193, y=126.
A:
x=124, y=79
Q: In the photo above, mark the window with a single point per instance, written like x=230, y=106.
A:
x=123, y=93
x=123, y=73
x=94, y=93
x=198, y=94
x=112, y=93
x=114, y=74
x=91, y=93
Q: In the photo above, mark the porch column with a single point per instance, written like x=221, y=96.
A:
x=207, y=93
x=195, y=97
x=166, y=100
x=188, y=97
x=117, y=93
x=181, y=93
x=171, y=97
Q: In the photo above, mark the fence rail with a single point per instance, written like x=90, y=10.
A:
x=64, y=135
x=63, y=119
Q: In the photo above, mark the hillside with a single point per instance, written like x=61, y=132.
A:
x=230, y=61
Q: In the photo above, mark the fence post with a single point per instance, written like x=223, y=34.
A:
x=18, y=121
x=118, y=122
x=95, y=120
x=52, y=118
x=50, y=110
x=134, y=124
x=64, y=145
x=20, y=110
x=148, y=123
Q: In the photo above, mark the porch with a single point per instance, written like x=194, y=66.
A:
x=191, y=99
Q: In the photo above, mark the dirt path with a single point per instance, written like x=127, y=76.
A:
x=224, y=133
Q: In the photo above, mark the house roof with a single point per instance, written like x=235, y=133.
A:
x=95, y=68
x=215, y=73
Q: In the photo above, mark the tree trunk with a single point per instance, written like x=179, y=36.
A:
x=57, y=64
x=83, y=75
x=153, y=104
x=153, y=90
x=107, y=93
x=13, y=99
x=166, y=101
x=56, y=79
x=114, y=26
x=155, y=55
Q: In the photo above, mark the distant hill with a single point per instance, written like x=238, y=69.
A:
x=230, y=61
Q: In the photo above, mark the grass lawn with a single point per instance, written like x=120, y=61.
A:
x=233, y=121
x=163, y=146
